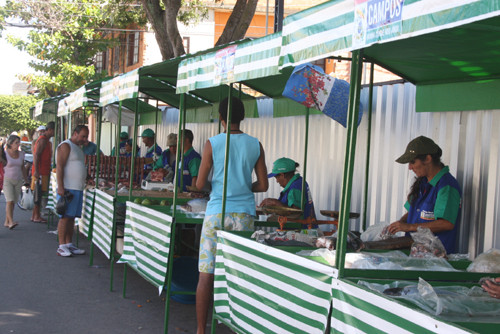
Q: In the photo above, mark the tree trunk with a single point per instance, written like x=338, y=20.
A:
x=238, y=21
x=156, y=17
x=172, y=9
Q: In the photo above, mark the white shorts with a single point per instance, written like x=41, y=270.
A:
x=12, y=189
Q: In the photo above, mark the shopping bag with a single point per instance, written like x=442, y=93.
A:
x=37, y=193
x=26, y=201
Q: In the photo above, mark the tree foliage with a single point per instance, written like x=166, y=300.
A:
x=65, y=38
x=15, y=113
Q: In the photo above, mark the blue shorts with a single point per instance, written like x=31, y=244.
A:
x=74, y=208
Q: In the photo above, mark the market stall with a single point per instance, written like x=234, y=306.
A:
x=423, y=41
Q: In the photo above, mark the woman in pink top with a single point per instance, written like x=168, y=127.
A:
x=14, y=177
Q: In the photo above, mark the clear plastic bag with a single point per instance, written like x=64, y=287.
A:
x=378, y=232
x=426, y=244
x=487, y=262
x=395, y=260
x=450, y=302
x=27, y=201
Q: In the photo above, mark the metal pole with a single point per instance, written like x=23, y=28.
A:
x=226, y=156
x=352, y=126
x=368, y=144
x=134, y=150
x=304, y=189
x=174, y=210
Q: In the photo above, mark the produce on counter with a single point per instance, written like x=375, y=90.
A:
x=354, y=243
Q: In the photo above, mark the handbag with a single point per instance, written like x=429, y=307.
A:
x=37, y=193
x=26, y=202
x=62, y=203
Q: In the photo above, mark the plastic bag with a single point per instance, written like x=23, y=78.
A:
x=426, y=244
x=328, y=255
x=455, y=303
x=395, y=260
x=27, y=201
x=378, y=232
x=487, y=262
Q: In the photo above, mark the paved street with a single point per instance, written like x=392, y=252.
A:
x=41, y=292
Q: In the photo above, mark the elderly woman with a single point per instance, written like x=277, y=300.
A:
x=434, y=200
x=14, y=177
x=284, y=171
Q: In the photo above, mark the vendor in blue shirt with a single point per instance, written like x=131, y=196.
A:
x=129, y=147
x=123, y=141
x=191, y=164
x=284, y=171
x=434, y=201
x=89, y=148
x=166, y=163
x=152, y=149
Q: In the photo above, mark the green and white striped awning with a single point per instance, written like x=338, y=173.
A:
x=261, y=289
x=146, y=243
x=85, y=221
x=103, y=222
x=235, y=63
x=52, y=198
x=345, y=25
x=125, y=86
x=73, y=101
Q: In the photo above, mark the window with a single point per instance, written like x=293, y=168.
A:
x=100, y=62
x=116, y=58
x=133, y=48
x=185, y=43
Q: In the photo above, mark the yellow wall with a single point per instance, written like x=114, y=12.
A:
x=257, y=26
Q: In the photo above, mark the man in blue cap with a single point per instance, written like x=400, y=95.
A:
x=152, y=149
x=123, y=140
x=284, y=171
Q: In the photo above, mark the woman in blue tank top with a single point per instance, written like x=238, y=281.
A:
x=245, y=155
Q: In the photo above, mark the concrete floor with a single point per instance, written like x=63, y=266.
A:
x=41, y=292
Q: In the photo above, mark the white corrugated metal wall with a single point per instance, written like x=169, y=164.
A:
x=469, y=141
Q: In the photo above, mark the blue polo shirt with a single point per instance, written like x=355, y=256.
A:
x=291, y=195
x=150, y=153
x=192, y=161
x=439, y=198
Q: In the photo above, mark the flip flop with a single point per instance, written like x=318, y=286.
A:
x=12, y=226
x=40, y=221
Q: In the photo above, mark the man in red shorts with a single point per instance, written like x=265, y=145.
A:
x=42, y=163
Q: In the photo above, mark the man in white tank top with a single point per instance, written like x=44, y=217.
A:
x=71, y=175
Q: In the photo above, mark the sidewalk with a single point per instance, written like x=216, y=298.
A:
x=41, y=292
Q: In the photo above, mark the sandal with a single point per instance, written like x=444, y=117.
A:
x=12, y=226
x=43, y=221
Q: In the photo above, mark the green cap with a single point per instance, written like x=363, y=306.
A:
x=282, y=165
x=123, y=135
x=418, y=146
x=148, y=133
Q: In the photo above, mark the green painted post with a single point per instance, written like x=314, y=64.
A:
x=134, y=150
x=352, y=122
x=226, y=156
x=368, y=144
x=306, y=144
x=182, y=108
